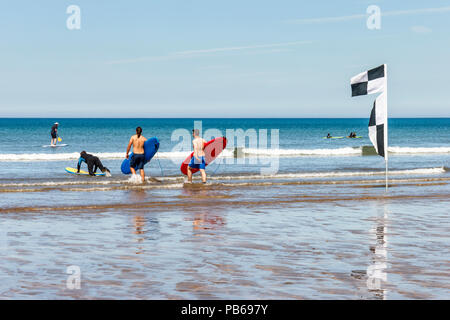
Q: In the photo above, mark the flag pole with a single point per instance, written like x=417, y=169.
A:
x=386, y=157
x=386, y=175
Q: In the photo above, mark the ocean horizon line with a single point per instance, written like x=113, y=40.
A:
x=196, y=118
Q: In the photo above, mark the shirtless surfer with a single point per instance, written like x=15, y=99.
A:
x=138, y=158
x=198, y=160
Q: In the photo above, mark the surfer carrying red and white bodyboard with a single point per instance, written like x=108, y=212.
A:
x=198, y=159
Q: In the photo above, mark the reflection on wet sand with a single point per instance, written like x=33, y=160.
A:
x=204, y=218
x=145, y=229
x=376, y=275
x=140, y=219
x=258, y=242
x=139, y=224
x=227, y=201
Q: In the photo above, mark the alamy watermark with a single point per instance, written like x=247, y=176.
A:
x=73, y=281
x=73, y=22
x=376, y=275
x=250, y=146
x=374, y=19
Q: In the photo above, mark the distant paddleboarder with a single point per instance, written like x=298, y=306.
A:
x=54, y=134
x=137, y=160
x=198, y=160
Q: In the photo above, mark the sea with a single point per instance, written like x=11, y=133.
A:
x=285, y=214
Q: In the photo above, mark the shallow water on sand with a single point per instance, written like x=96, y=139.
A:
x=321, y=227
x=336, y=240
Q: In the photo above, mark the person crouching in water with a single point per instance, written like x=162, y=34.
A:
x=93, y=163
x=198, y=160
x=137, y=160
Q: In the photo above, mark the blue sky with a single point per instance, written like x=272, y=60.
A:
x=220, y=58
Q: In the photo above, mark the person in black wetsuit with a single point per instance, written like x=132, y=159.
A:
x=54, y=134
x=92, y=162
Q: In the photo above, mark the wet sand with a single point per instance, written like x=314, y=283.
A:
x=278, y=239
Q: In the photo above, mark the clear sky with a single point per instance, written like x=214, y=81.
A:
x=234, y=58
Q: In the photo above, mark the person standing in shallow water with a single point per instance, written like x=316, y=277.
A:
x=198, y=160
x=137, y=160
x=54, y=134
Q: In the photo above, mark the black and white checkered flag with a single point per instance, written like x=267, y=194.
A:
x=378, y=125
x=369, y=82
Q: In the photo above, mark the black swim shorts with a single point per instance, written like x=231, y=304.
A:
x=137, y=161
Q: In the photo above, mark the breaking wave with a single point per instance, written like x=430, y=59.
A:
x=420, y=171
x=304, y=152
x=407, y=150
x=346, y=151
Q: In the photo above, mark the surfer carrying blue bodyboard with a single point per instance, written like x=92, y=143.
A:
x=137, y=160
x=92, y=162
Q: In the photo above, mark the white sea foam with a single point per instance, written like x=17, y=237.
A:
x=303, y=152
x=55, y=156
x=420, y=171
x=182, y=155
x=408, y=150
x=61, y=183
x=346, y=151
x=177, y=181
x=90, y=182
x=135, y=179
x=25, y=157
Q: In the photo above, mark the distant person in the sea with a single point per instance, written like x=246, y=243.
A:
x=352, y=135
x=328, y=135
x=93, y=163
x=54, y=134
x=137, y=160
x=198, y=160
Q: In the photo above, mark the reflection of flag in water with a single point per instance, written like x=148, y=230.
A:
x=378, y=125
x=376, y=271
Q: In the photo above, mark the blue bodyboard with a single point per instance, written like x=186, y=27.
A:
x=151, y=147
